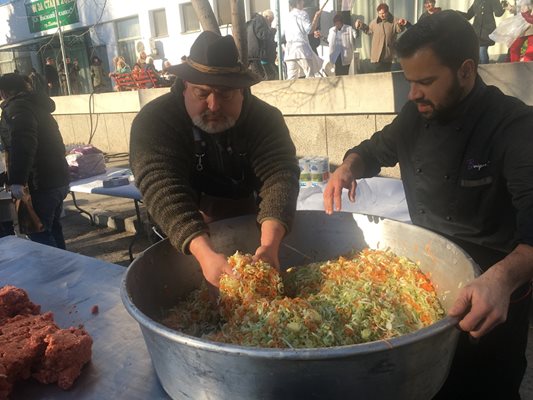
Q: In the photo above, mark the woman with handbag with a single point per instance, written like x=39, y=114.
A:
x=37, y=170
x=483, y=12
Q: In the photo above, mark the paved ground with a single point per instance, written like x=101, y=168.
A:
x=109, y=241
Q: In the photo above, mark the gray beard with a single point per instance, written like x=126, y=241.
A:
x=211, y=127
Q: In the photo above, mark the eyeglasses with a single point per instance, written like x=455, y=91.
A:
x=203, y=93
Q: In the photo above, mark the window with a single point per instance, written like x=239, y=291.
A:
x=159, y=21
x=7, y=62
x=15, y=60
x=258, y=6
x=23, y=61
x=128, y=28
x=127, y=31
x=223, y=12
x=190, y=21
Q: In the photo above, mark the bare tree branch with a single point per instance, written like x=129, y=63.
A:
x=239, y=29
x=205, y=15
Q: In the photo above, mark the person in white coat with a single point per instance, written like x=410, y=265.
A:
x=341, y=44
x=299, y=57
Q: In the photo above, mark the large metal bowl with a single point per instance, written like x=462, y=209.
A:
x=410, y=367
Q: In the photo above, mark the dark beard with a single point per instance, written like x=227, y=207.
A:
x=452, y=103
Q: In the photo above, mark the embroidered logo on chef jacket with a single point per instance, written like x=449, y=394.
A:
x=478, y=173
x=474, y=165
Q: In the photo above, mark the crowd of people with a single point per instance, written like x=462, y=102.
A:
x=56, y=77
x=302, y=36
x=143, y=68
x=53, y=81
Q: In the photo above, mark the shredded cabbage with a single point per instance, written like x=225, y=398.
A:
x=374, y=295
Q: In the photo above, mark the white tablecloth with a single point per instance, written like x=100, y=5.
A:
x=95, y=184
x=379, y=196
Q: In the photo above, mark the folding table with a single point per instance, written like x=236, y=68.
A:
x=95, y=185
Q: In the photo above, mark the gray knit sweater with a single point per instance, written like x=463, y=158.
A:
x=162, y=159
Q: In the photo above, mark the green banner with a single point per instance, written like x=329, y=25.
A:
x=41, y=14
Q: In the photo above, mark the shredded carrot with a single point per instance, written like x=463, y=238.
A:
x=373, y=295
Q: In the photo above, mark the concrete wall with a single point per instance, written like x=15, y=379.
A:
x=325, y=116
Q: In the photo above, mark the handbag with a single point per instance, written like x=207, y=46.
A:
x=28, y=220
x=85, y=161
x=509, y=30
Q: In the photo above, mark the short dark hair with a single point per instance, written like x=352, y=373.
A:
x=382, y=6
x=13, y=83
x=451, y=37
x=337, y=17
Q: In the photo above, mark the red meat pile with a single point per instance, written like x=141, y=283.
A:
x=32, y=345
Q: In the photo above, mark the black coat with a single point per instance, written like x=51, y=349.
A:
x=470, y=177
x=484, y=24
x=261, y=44
x=36, y=153
x=51, y=75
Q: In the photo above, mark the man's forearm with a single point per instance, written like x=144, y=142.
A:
x=356, y=165
x=200, y=247
x=272, y=233
x=516, y=269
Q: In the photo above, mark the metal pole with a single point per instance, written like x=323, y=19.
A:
x=280, y=58
x=65, y=67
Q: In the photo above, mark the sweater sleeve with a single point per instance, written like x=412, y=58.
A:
x=528, y=17
x=161, y=151
x=261, y=29
x=22, y=126
x=518, y=171
x=353, y=32
x=497, y=8
x=331, y=40
x=273, y=160
x=470, y=13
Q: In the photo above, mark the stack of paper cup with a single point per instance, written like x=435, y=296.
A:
x=314, y=171
x=319, y=169
x=305, y=171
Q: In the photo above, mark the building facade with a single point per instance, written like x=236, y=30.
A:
x=164, y=29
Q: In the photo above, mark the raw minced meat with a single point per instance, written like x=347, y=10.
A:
x=15, y=301
x=31, y=344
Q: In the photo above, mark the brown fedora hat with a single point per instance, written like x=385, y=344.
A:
x=214, y=60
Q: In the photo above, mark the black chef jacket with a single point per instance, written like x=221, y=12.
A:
x=470, y=177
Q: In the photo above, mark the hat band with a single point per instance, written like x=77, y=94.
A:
x=215, y=70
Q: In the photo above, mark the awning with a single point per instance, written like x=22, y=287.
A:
x=35, y=43
x=28, y=45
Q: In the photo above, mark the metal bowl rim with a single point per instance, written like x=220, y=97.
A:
x=447, y=323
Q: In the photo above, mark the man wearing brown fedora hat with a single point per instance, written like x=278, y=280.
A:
x=208, y=150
